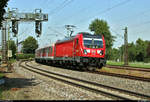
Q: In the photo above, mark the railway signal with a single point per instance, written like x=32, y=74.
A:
x=15, y=27
x=38, y=28
x=15, y=17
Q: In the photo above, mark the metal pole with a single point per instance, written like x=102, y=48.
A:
x=4, y=43
x=125, y=47
x=17, y=44
x=8, y=39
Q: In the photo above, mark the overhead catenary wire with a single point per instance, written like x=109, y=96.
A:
x=141, y=24
x=105, y=11
x=117, y=34
x=108, y=9
x=61, y=6
x=135, y=15
x=100, y=12
x=74, y=15
x=55, y=31
x=112, y=8
x=47, y=4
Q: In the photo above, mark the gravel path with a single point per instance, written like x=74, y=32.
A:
x=49, y=89
x=19, y=87
x=131, y=85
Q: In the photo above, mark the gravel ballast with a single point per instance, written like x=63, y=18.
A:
x=131, y=85
x=54, y=90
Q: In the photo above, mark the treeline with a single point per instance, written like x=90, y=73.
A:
x=138, y=51
x=29, y=46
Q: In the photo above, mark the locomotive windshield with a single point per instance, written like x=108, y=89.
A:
x=93, y=43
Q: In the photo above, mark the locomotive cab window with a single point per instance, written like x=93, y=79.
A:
x=93, y=42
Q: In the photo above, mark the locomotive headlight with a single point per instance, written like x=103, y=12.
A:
x=98, y=51
x=85, y=51
x=88, y=51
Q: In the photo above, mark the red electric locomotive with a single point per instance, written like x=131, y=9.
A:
x=82, y=50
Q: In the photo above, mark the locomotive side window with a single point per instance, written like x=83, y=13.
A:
x=51, y=50
x=77, y=41
x=41, y=53
x=48, y=50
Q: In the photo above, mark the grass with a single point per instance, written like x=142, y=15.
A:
x=124, y=72
x=1, y=75
x=1, y=92
x=141, y=65
x=12, y=61
x=115, y=63
x=2, y=88
x=132, y=64
x=105, y=69
x=4, y=91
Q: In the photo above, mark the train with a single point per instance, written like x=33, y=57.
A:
x=83, y=50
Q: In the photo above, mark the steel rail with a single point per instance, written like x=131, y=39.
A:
x=122, y=76
x=129, y=68
x=91, y=83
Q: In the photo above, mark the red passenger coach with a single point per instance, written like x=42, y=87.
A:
x=82, y=50
x=45, y=54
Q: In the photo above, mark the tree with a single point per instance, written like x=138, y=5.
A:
x=148, y=50
x=131, y=51
x=3, y=4
x=100, y=27
x=141, y=47
x=115, y=54
x=12, y=46
x=29, y=45
x=140, y=51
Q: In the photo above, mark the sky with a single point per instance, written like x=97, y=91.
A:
x=134, y=14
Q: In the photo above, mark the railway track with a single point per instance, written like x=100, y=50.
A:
x=129, y=68
x=114, y=93
x=121, y=76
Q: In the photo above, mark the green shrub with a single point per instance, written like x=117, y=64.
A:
x=1, y=75
x=25, y=56
x=147, y=60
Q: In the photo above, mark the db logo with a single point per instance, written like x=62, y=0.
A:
x=93, y=52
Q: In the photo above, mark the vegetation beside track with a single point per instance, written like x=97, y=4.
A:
x=132, y=64
x=12, y=61
x=25, y=56
x=125, y=72
x=1, y=90
x=1, y=87
x=1, y=75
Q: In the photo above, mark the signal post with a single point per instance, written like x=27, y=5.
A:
x=13, y=17
x=126, y=47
